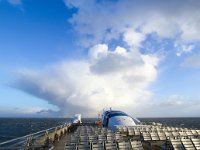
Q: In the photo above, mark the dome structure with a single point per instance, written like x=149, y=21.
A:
x=113, y=118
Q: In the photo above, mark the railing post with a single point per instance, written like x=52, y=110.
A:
x=29, y=143
x=48, y=141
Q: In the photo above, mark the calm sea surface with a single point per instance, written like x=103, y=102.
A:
x=11, y=128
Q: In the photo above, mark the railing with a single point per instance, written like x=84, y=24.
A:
x=41, y=139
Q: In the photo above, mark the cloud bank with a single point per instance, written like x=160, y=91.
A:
x=107, y=78
x=119, y=76
x=134, y=20
x=27, y=112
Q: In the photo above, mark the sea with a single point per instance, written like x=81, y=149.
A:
x=11, y=128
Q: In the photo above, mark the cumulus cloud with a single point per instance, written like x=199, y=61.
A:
x=106, y=78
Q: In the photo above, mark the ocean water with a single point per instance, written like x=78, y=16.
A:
x=11, y=128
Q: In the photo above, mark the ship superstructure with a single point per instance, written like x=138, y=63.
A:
x=113, y=118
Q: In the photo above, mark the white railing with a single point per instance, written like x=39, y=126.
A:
x=40, y=139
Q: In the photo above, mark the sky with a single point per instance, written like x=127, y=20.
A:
x=62, y=57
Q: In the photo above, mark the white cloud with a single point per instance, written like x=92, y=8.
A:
x=192, y=61
x=183, y=48
x=190, y=26
x=133, y=38
x=117, y=78
x=160, y=21
x=98, y=51
x=108, y=20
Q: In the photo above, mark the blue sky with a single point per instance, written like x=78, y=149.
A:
x=60, y=57
x=31, y=36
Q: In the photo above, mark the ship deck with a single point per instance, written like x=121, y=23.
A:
x=147, y=137
x=59, y=145
x=89, y=136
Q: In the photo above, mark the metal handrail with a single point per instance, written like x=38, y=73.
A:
x=21, y=141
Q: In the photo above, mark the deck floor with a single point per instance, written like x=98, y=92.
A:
x=59, y=145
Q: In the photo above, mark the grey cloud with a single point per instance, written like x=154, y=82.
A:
x=48, y=90
x=114, y=62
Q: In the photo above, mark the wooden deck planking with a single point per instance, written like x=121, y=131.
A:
x=59, y=145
